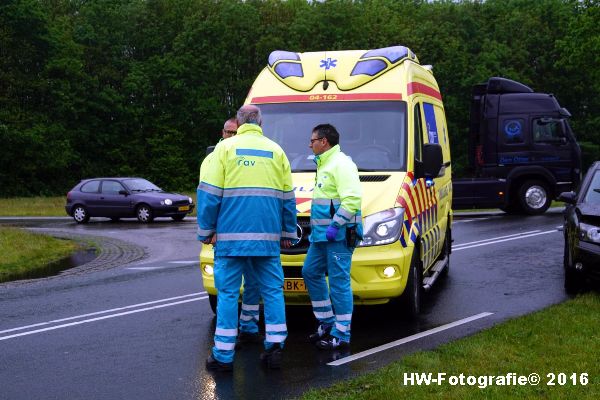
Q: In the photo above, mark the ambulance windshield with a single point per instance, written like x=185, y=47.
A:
x=372, y=133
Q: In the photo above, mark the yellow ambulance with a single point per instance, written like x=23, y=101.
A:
x=389, y=112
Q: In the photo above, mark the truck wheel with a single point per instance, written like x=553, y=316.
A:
x=212, y=300
x=533, y=197
x=410, y=300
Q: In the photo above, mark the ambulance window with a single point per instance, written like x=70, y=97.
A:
x=417, y=132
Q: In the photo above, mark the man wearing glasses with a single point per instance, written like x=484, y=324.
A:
x=229, y=128
x=336, y=227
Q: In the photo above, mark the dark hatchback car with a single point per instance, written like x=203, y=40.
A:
x=116, y=198
x=582, y=231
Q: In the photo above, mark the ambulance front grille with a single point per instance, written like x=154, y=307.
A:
x=302, y=246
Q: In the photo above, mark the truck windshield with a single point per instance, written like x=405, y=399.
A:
x=372, y=133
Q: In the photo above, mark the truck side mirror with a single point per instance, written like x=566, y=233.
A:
x=433, y=160
x=210, y=149
x=568, y=197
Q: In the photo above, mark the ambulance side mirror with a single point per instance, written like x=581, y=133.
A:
x=433, y=160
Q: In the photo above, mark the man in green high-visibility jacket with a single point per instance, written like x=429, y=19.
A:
x=336, y=226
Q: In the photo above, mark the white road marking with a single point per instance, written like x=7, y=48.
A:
x=498, y=237
x=408, y=339
x=85, y=321
x=495, y=240
x=184, y=262
x=102, y=312
x=469, y=220
x=146, y=268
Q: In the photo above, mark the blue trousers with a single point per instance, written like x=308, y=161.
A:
x=228, y=279
x=250, y=314
x=335, y=258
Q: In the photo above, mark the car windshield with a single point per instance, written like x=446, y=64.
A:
x=141, y=185
x=593, y=194
x=372, y=133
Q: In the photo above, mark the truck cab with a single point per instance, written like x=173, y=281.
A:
x=522, y=151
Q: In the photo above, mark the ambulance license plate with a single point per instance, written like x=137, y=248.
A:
x=294, y=285
x=184, y=208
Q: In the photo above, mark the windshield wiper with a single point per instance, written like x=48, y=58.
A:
x=597, y=190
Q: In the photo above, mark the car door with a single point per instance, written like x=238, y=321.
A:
x=113, y=203
x=89, y=196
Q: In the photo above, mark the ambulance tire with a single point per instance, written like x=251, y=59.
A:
x=212, y=300
x=534, y=197
x=410, y=300
x=446, y=251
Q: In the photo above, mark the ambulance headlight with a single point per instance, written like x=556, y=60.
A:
x=589, y=233
x=383, y=227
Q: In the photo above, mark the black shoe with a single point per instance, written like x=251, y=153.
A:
x=272, y=357
x=332, y=343
x=214, y=365
x=322, y=332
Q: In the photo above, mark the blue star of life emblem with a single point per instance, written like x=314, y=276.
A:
x=327, y=64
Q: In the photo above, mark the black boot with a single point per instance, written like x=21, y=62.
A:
x=214, y=365
x=272, y=358
x=322, y=332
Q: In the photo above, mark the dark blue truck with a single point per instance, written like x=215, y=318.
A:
x=522, y=151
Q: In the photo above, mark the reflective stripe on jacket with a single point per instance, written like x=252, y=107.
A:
x=337, y=195
x=245, y=196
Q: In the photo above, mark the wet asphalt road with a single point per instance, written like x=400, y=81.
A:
x=143, y=329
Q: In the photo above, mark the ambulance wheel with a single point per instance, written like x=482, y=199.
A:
x=447, y=250
x=212, y=300
x=534, y=197
x=410, y=300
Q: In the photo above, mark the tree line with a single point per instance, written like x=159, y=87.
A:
x=141, y=87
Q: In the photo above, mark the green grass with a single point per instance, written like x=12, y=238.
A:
x=564, y=338
x=22, y=251
x=43, y=206
x=33, y=206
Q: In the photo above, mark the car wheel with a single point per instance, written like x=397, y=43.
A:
x=212, y=300
x=573, y=279
x=410, y=300
x=178, y=217
x=534, y=197
x=80, y=214
x=144, y=214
